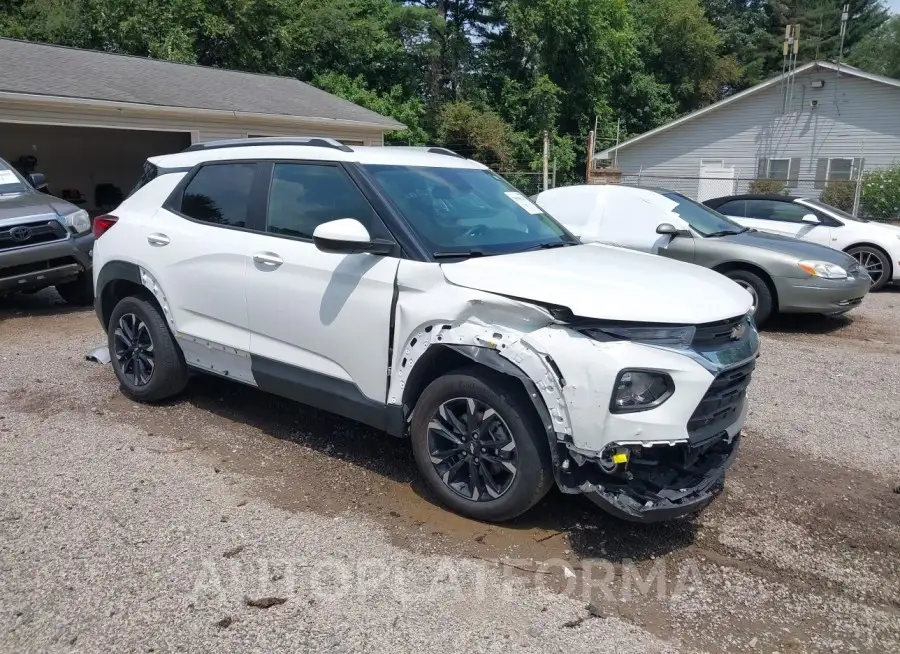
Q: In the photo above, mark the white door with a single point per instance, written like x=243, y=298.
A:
x=326, y=315
x=199, y=253
x=784, y=217
x=715, y=181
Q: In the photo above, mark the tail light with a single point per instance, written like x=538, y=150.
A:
x=103, y=223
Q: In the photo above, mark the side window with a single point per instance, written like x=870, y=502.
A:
x=303, y=196
x=734, y=208
x=220, y=194
x=786, y=212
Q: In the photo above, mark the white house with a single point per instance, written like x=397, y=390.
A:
x=92, y=118
x=825, y=122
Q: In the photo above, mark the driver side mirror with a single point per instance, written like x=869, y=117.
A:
x=812, y=219
x=348, y=236
x=37, y=180
x=667, y=229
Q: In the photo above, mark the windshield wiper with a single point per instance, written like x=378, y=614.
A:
x=459, y=254
x=727, y=232
x=549, y=246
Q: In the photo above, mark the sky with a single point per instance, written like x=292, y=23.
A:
x=893, y=5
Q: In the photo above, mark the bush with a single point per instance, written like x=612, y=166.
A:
x=767, y=186
x=880, y=194
x=840, y=195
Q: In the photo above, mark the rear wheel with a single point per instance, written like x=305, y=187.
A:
x=148, y=362
x=479, y=446
x=757, y=287
x=79, y=292
x=876, y=263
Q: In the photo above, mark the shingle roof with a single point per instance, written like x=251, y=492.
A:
x=40, y=69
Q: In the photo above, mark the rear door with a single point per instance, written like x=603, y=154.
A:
x=319, y=322
x=197, y=246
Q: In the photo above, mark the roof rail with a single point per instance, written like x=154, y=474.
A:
x=313, y=141
x=446, y=151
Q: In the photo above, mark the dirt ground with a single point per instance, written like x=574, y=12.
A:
x=801, y=553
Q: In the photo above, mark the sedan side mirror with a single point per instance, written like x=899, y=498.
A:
x=37, y=180
x=348, y=236
x=667, y=229
x=812, y=219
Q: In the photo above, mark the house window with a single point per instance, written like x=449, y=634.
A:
x=778, y=169
x=840, y=170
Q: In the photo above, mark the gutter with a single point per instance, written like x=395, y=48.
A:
x=55, y=101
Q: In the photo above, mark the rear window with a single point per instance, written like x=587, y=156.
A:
x=220, y=194
x=148, y=175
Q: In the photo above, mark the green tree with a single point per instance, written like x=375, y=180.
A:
x=879, y=52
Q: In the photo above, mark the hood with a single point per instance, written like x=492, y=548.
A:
x=788, y=245
x=25, y=205
x=607, y=283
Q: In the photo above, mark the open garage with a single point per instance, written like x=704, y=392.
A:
x=88, y=120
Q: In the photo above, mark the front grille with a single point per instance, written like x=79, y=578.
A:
x=33, y=233
x=37, y=266
x=714, y=334
x=722, y=403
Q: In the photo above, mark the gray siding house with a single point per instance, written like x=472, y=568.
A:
x=820, y=124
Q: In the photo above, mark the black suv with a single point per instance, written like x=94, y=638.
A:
x=44, y=241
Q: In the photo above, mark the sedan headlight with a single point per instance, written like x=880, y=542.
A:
x=640, y=390
x=79, y=221
x=823, y=269
x=680, y=336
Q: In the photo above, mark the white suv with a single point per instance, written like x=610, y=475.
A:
x=416, y=291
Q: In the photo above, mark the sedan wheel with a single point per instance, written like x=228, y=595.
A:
x=750, y=289
x=875, y=262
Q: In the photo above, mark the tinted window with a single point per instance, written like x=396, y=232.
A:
x=303, y=196
x=732, y=208
x=147, y=176
x=786, y=212
x=220, y=194
x=464, y=210
x=701, y=218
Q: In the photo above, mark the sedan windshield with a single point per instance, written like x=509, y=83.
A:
x=701, y=218
x=461, y=212
x=813, y=202
x=10, y=180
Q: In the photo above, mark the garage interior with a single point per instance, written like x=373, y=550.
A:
x=93, y=167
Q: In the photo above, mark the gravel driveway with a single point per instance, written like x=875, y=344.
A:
x=233, y=520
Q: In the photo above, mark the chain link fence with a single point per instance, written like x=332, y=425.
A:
x=873, y=193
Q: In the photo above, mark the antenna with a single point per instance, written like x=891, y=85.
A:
x=796, y=48
x=789, y=50
x=784, y=60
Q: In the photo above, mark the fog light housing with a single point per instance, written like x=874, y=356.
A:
x=640, y=390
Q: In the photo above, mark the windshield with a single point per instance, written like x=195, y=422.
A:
x=701, y=218
x=830, y=209
x=10, y=180
x=465, y=212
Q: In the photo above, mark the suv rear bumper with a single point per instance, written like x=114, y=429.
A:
x=45, y=264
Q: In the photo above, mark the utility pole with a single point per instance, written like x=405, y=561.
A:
x=554, y=172
x=546, y=160
x=590, y=156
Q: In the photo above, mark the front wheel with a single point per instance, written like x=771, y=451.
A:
x=758, y=289
x=145, y=357
x=480, y=447
x=876, y=263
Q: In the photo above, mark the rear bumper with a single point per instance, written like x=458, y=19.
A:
x=685, y=489
x=815, y=295
x=45, y=264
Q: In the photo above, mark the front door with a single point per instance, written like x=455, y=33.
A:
x=785, y=218
x=319, y=322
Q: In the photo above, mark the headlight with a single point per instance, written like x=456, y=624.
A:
x=79, y=221
x=673, y=336
x=823, y=269
x=640, y=390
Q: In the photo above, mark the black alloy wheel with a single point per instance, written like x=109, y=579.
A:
x=472, y=449
x=134, y=349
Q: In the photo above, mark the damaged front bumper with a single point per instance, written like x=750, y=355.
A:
x=665, y=482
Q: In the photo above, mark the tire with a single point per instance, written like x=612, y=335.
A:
x=876, y=262
x=79, y=292
x=511, y=493
x=137, y=321
x=761, y=292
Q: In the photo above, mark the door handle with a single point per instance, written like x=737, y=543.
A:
x=158, y=240
x=267, y=260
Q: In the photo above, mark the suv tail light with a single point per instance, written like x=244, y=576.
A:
x=103, y=223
